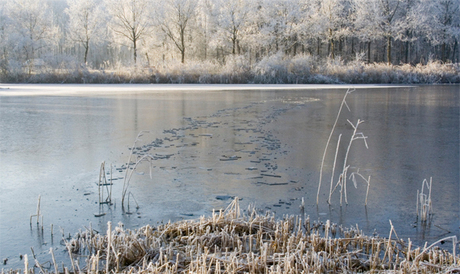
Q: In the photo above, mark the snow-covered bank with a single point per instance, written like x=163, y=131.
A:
x=277, y=69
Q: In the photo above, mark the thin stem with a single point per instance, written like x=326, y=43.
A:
x=367, y=191
x=333, y=168
x=329, y=140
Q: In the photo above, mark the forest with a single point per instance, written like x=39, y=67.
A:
x=236, y=41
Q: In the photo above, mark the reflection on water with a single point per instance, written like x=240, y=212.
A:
x=262, y=146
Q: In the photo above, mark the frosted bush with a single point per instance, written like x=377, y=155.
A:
x=275, y=69
x=302, y=65
x=272, y=69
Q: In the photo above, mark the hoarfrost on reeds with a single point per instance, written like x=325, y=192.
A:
x=275, y=69
x=424, y=205
x=342, y=181
x=232, y=242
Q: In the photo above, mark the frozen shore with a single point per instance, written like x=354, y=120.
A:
x=110, y=89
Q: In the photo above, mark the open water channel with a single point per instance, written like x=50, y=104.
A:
x=206, y=144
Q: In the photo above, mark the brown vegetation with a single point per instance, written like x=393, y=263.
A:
x=231, y=242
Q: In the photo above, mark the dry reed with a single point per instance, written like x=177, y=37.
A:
x=424, y=206
x=344, y=102
x=103, y=183
x=232, y=242
x=130, y=171
x=37, y=216
x=342, y=181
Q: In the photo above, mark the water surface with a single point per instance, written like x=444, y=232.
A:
x=263, y=146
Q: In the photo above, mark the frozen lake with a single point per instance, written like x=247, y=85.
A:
x=263, y=144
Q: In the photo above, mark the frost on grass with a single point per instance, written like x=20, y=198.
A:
x=275, y=69
x=231, y=241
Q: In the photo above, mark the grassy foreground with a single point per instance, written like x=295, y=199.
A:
x=231, y=242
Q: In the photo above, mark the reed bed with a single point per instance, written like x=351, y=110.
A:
x=276, y=69
x=231, y=242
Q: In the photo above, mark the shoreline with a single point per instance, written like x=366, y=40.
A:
x=114, y=89
x=286, y=72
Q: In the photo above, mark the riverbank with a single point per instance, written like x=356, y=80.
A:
x=246, y=241
x=273, y=70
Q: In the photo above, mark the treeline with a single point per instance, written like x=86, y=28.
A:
x=223, y=41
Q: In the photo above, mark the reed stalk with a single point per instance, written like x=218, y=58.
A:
x=367, y=190
x=103, y=183
x=109, y=244
x=38, y=213
x=127, y=174
x=37, y=263
x=70, y=256
x=354, y=136
x=329, y=140
x=54, y=261
x=333, y=168
x=424, y=205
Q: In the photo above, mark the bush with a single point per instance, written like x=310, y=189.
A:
x=275, y=69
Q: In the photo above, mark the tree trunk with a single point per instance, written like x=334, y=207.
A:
x=332, y=48
x=389, y=50
x=318, y=47
x=135, y=51
x=148, y=59
x=234, y=41
x=331, y=45
x=407, y=52
x=369, y=52
x=454, y=51
x=443, y=52
x=340, y=45
x=352, y=46
x=86, y=50
x=182, y=41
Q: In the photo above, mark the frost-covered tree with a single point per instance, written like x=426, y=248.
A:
x=333, y=21
x=86, y=23
x=365, y=29
x=382, y=19
x=31, y=28
x=440, y=21
x=283, y=24
x=130, y=20
x=205, y=26
x=231, y=17
x=174, y=19
x=3, y=32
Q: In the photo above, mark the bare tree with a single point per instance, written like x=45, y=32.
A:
x=332, y=20
x=231, y=18
x=31, y=27
x=130, y=20
x=86, y=22
x=175, y=20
